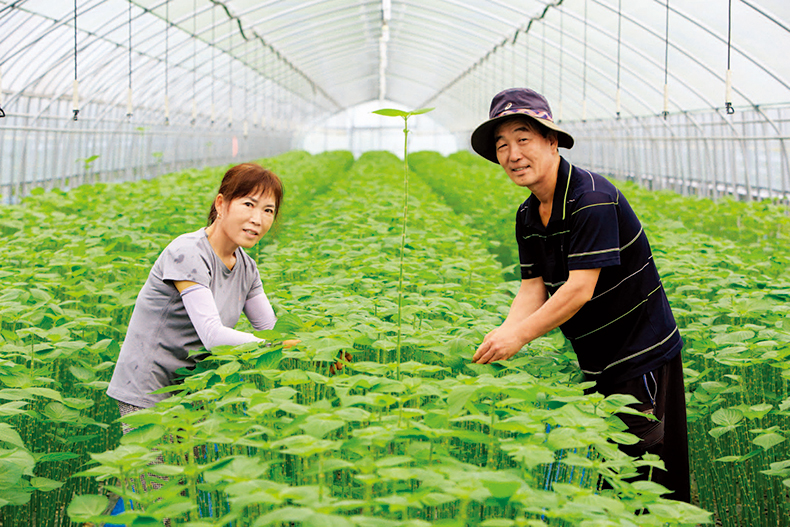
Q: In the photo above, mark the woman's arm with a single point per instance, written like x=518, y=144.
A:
x=202, y=311
x=260, y=313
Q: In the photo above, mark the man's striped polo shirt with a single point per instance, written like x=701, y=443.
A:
x=627, y=328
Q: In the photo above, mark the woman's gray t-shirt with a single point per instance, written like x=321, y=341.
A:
x=160, y=334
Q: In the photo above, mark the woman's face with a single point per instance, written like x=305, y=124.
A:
x=243, y=221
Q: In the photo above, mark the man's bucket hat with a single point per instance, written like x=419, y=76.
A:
x=510, y=102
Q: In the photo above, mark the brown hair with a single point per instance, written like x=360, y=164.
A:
x=248, y=179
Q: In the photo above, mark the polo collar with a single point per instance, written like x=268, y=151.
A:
x=559, y=201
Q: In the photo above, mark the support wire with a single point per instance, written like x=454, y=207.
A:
x=619, y=40
x=562, y=31
x=665, y=112
x=129, y=92
x=2, y=113
x=584, y=70
x=76, y=96
x=213, y=52
x=194, y=62
x=167, y=57
x=728, y=84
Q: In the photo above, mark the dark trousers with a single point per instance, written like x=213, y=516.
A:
x=663, y=394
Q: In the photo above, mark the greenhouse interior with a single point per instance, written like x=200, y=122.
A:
x=450, y=332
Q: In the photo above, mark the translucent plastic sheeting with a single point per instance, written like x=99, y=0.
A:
x=276, y=67
x=336, y=54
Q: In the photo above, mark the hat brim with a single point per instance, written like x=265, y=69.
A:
x=483, y=136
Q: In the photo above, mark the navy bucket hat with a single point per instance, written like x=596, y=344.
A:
x=506, y=104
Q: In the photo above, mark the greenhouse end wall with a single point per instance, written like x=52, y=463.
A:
x=41, y=147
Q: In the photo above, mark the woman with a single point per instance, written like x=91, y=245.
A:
x=197, y=290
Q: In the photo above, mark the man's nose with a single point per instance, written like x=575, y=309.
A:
x=514, y=153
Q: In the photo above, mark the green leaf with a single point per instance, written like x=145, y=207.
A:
x=502, y=485
x=55, y=456
x=229, y=368
x=61, y=414
x=15, y=496
x=727, y=417
x=318, y=427
x=87, y=508
x=768, y=440
x=145, y=434
x=288, y=323
x=13, y=465
x=734, y=337
x=391, y=112
x=82, y=374
x=167, y=470
x=719, y=431
x=458, y=398
x=9, y=435
x=45, y=484
x=269, y=360
x=145, y=521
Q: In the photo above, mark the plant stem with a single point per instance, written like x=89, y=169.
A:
x=403, y=235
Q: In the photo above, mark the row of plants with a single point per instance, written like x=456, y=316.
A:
x=71, y=268
x=265, y=436
x=464, y=174
x=724, y=266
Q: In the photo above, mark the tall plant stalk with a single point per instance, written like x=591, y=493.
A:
x=390, y=112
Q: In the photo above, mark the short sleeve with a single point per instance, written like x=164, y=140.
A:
x=257, y=286
x=530, y=267
x=595, y=237
x=183, y=261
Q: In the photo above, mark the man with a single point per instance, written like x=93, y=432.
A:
x=587, y=268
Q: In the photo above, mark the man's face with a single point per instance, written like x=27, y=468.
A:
x=526, y=156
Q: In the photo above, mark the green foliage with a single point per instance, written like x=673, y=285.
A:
x=264, y=435
x=724, y=266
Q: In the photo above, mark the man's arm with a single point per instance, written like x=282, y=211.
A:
x=531, y=295
x=530, y=318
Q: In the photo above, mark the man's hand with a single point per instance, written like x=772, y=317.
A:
x=500, y=344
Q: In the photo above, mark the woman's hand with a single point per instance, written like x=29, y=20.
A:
x=291, y=343
x=336, y=367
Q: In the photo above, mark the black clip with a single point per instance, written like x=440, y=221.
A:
x=728, y=107
x=2, y=113
x=665, y=115
x=76, y=113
